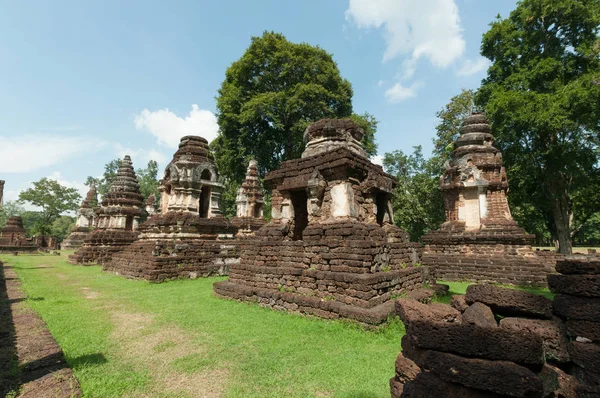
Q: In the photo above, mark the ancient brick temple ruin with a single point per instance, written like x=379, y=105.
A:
x=117, y=219
x=189, y=237
x=86, y=217
x=479, y=240
x=331, y=248
x=249, y=203
x=151, y=205
x=13, y=239
x=2, y=192
x=498, y=342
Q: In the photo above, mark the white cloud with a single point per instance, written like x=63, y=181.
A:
x=420, y=29
x=24, y=153
x=140, y=157
x=399, y=93
x=169, y=128
x=470, y=67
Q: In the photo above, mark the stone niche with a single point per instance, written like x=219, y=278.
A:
x=189, y=237
x=479, y=240
x=13, y=239
x=249, y=203
x=117, y=219
x=86, y=218
x=331, y=248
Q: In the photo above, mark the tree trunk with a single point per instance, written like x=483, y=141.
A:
x=560, y=211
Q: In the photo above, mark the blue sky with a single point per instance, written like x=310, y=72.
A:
x=84, y=82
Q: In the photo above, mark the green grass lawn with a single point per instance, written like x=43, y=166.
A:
x=132, y=338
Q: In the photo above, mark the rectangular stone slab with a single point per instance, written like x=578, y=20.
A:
x=502, y=377
x=579, y=308
x=552, y=332
x=524, y=348
x=510, y=302
x=429, y=385
x=578, y=267
x=586, y=355
x=575, y=285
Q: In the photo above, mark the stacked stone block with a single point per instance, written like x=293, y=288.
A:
x=577, y=302
x=13, y=238
x=493, y=342
x=331, y=248
x=188, y=238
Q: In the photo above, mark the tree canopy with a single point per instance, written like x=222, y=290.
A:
x=268, y=98
x=53, y=199
x=542, y=97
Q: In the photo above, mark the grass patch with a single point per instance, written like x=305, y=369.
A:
x=129, y=338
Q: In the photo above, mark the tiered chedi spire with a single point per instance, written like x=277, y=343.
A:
x=249, y=203
x=118, y=218
x=474, y=183
x=479, y=240
x=123, y=205
x=86, y=218
x=250, y=197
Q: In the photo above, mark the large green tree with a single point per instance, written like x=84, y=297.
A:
x=542, y=97
x=418, y=204
x=53, y=199
x=268, y=98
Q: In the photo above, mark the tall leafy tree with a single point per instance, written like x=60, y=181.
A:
x=542, y=97
x=418, y=204
x=269, y=97
x=53, y=199
x=148, y=179
x=450, y=119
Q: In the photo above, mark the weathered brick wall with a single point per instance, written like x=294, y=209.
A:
x=101, y=244
x=158, y=261
x=501, y=255
x=494, y=342
x=339, y=269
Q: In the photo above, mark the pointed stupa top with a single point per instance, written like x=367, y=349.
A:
x=475, y=130
x=91, y=199
x=251, y=187
x=125, y=188
x=151, y=201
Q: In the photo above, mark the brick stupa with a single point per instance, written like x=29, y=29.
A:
x=249, y=203
x=86, y=216
x=331, y=248
x=13, y=238
x=480, y=241
x=189, y=237
x=118, y=219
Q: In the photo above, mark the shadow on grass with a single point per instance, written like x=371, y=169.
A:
x=85, y=361
x=9, y=365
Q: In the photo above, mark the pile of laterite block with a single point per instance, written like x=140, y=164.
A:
x=577, y=302
x=498, y=342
